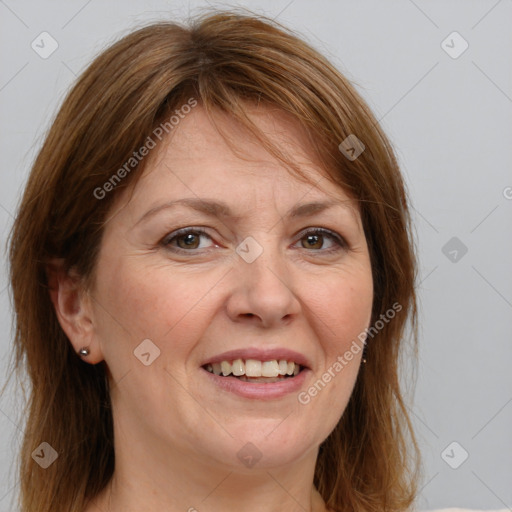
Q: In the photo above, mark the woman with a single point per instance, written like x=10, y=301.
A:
x=213, y=231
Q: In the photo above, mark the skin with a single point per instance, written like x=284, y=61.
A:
x=176, y=434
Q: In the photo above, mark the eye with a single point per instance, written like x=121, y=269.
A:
x=186, y=239
x=314, y=239
x=189, y=239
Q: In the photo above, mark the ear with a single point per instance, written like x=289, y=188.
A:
x=73, y=308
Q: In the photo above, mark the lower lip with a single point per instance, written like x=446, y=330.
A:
x=259, y=391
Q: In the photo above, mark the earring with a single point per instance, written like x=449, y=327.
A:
x=364, y=354
x=84, y=351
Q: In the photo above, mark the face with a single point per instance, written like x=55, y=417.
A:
x=216, y=256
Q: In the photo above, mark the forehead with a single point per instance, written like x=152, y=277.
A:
x=200, y=128
x=196, y=160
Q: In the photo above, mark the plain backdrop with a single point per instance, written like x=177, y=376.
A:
x=438, y=75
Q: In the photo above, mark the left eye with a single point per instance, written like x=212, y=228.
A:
x=188, y=239
x=317, y=236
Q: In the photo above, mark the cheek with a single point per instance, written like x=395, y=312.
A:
x=139, y=303
x=342, y=310
x=342, y=307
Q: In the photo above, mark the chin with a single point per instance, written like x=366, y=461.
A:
x=262, y=444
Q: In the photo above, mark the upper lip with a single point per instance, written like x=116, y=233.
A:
x=260, y=354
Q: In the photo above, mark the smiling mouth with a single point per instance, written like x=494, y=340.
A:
x=252, y=370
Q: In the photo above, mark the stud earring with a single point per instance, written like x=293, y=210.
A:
x=84, y=351
x=364, y=354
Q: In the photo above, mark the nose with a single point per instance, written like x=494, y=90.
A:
x=263, y=293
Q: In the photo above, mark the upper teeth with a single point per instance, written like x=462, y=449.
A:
x=254, y=368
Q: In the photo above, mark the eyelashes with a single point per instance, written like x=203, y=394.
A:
x=182, y=233
x=185, y=240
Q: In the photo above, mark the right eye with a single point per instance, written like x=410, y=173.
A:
x=185, y=240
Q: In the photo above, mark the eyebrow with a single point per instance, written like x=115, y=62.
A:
x=218, y=209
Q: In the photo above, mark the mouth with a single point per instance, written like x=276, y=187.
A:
x=256, y=373
x=253, y=370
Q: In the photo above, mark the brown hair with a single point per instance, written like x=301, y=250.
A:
x=224, y=59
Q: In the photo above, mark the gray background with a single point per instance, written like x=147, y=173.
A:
x=450, y=121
